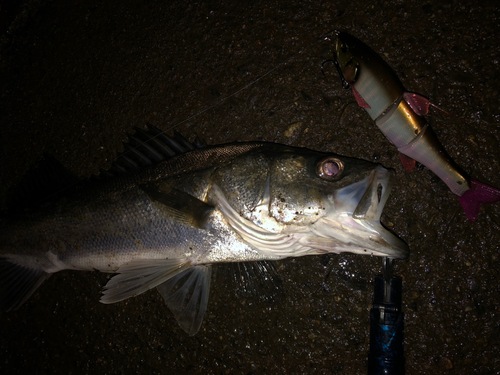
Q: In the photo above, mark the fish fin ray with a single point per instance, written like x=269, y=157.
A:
x=256, y=280
x=186, y=295
x=17, y=284
x=408, y=163
x=361, y=102
x=140, y=275
x=148, y=147
x=478, y=194
x=184, y=207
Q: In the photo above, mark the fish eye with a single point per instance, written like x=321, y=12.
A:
x=329, y=168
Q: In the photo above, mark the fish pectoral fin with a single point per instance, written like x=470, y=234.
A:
x=182, y=206
x=140, y=275
x=186, y=295
x=17, y=284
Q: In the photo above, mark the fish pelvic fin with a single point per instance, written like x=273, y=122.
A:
x=184, y=287
x=478, y=194
x=186, y=295
x=17, y=284
x=138, y=276
x=420, y=104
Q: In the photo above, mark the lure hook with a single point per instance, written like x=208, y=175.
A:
x=345, y=84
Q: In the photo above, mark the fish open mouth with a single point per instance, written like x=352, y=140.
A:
x=372, y=202
x=369, y=209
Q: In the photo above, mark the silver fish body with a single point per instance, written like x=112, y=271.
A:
x=163, y=226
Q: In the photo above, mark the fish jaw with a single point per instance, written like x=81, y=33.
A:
x=355, y=225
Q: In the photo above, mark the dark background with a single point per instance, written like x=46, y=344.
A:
x=76, y=76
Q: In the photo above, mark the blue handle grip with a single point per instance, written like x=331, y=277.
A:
x=386, y=354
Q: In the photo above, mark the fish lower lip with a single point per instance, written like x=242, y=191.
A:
x=372, y=202
x=369, y=210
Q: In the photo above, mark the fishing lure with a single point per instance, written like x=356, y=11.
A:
x=400, y=116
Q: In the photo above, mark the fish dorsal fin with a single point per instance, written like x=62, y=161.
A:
x=42, y=183
x=186, y=295
x=149, y=147
x=182, y=206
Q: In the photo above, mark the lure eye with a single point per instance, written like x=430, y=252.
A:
x=329, y=168
x=351, y=71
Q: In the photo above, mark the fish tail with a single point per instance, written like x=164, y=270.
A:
x=17, y=284
x=478, y=194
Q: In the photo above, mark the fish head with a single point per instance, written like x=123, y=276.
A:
x=306, y=185
x=338, y=199
x=307, y=202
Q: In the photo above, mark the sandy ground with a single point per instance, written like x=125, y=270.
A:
x=76, y=76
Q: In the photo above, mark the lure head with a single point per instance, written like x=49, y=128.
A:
x=374, y=84
x=346, y=63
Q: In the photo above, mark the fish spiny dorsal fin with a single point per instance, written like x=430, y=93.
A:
x=149, y=147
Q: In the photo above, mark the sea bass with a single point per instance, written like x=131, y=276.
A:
x=399, y=115
x=164, y=225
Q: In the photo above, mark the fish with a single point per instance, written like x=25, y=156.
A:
x=399, y=114
x=169, y=209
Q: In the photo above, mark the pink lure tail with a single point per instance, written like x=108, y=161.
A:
x=479, y=193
